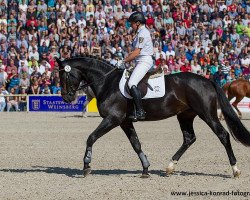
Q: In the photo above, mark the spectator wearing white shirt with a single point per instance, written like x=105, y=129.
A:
x=100, y=20
x=169, y=52
x=23, y=67
x=71, y=19
x=159, y=52
x=245, y=61
x=23, y=6
x=81, y=21
x=147, y=7
x=100, y=12
x=108, y=7
x=43, y=65
x=2, y=98
x=3, y=76
x=34, y=53
x=195, y=67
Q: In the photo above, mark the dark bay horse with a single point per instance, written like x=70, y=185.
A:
x=239, y=89
x=187, y=96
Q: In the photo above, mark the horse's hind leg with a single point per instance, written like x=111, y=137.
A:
x=224, y=138
x=186, y=120
x=129, y=130
x=235, y=103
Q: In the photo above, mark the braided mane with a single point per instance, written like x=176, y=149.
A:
x=96, y=58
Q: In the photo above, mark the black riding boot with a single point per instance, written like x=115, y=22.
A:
x=140, y=113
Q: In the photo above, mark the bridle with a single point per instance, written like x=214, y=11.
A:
x=69, y=87
x=71, y=90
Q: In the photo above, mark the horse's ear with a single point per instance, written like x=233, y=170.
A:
x=59, y=62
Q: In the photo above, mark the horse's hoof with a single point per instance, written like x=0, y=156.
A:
x=145, y=176
x=237, y=174
x=86, y=171
x=171, y=167
x=169, y=170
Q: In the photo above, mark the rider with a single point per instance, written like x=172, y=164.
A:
x=142, y=54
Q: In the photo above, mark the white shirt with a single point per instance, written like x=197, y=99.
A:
x=195, y=68
x=144, y=42
x=42, y=67
x=2, y=98
x=157, y=55
x=34, y=54
x=245, y=61
x=82, y=22
x=168, y=53
x=23, y=7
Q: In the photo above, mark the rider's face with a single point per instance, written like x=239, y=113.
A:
x=134, y=26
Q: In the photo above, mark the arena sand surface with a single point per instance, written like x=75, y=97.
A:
x=41, y=158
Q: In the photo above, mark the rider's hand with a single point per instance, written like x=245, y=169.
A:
x=121, y=64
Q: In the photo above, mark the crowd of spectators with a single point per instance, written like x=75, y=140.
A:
x=206, y=37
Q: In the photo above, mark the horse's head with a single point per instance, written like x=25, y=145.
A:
x=70, y=79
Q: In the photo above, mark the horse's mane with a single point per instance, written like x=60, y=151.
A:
x=101, y=61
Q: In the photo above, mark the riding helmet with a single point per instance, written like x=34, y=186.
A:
x=137, y=17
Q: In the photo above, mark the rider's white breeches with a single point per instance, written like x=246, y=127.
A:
x=143, y=65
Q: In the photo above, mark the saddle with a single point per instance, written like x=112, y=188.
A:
x=143, y=85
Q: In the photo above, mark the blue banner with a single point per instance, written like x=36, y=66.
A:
x=54, y=104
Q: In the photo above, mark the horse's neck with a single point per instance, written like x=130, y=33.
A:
x=98, y=78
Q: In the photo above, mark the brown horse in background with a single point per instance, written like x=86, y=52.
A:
x=239, y=88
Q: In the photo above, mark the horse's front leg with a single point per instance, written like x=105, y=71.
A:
x=129, y=129
x=105, y=126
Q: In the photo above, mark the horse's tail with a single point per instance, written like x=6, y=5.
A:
x=236, y=128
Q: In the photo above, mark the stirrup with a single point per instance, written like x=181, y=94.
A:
x=133, y=116
x=140, y=115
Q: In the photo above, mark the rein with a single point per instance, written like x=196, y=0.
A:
x=98, y=80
